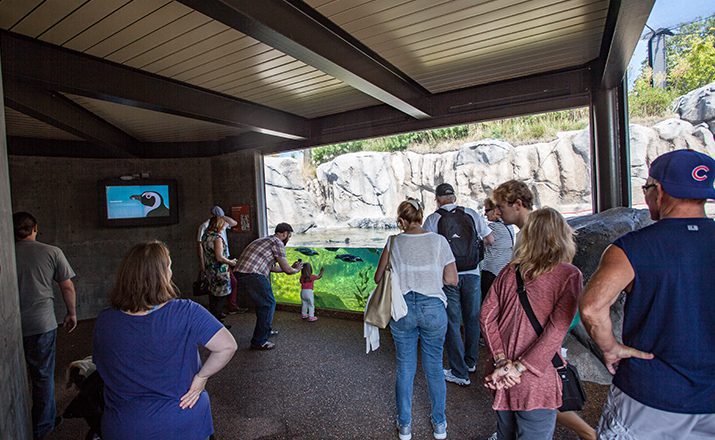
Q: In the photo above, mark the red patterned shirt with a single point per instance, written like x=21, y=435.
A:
x=261, y=255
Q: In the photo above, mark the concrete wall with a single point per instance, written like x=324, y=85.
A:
x=14, y=405
x=62, y=194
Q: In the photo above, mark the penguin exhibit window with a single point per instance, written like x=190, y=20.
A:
x=138, y=202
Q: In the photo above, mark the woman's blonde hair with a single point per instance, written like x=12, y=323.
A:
x=411, y=211
x=216, y=223
x=545, y=241
x=143, y=278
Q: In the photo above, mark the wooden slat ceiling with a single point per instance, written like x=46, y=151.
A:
x=21, y=125
x=437, y=46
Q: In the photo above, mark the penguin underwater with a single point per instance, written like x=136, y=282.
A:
x=153, y=204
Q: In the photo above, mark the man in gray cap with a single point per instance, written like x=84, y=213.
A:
x=664, y=383
x=463, y=228
x=217, y=211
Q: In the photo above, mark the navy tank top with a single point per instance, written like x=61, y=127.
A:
x=670, y=312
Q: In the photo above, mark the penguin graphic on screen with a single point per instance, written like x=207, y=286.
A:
x=153, y=204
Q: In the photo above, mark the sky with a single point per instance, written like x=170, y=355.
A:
x=668, y=13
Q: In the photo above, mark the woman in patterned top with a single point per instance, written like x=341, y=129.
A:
x=217, y=266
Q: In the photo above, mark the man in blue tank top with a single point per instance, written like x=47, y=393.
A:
x=664, y=384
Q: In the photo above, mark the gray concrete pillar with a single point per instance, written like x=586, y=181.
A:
x=610, y=178
x=14, y=402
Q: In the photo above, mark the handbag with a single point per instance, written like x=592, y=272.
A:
x=379, y=306
x=573, y=396
x=200, y=287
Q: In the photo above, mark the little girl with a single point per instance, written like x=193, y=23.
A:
x=306, y=293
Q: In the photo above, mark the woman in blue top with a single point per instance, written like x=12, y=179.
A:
x=145, y=349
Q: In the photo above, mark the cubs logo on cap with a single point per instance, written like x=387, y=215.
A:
x=699, y=173
x=685, y=174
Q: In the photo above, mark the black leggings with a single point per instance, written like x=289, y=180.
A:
x=216, y=304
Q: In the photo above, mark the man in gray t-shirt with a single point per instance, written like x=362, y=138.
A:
x=39, y=266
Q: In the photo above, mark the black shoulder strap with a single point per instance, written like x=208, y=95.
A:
x=526, y=305
x=442, y=211
x=510, y=234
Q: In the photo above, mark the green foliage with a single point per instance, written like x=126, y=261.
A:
x=648, y=101
x=362, y=286
x=531, y=128
x=690, y=63
x=686, y=37
x=696, y=67
x=330, y=152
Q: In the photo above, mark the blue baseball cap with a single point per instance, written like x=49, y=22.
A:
x=217, y=211
x=685, y=174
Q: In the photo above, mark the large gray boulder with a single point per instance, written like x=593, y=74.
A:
x=698, y=106
x=593, y=234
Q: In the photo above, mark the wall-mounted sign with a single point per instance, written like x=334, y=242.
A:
x=242, y=214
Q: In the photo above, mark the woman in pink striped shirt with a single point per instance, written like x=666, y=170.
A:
x=527, y=388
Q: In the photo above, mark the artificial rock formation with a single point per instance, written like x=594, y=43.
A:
x=363, y=189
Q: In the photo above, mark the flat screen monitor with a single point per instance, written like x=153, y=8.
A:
x=142, y=202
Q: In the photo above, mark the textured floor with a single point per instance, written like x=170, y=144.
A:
x=317, y=384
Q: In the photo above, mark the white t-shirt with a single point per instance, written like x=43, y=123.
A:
x=432, y=221
x=418, y=262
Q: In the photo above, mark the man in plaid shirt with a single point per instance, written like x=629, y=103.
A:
x=257, y=261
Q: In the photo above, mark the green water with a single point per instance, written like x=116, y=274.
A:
x=345, y=284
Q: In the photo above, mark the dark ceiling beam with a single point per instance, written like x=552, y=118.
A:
x=57, y=110
x=540, y=93
x=624, y=24
x=56, y=68
x=294, y=28
x=552, y=91
x=24, y=146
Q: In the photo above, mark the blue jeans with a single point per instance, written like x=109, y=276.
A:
x=426, y=319
x=40, y=359
x=258, y=288
x=463, y=304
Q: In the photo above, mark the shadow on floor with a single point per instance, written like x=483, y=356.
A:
x=317, y=384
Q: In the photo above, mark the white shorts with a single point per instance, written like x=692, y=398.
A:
x=624, y=418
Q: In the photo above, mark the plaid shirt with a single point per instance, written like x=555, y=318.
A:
x=261, y=255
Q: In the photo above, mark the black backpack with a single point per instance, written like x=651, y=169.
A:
x=460, y=231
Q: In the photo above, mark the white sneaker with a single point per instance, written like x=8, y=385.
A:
x=439, y=431
x=492, y=437
x=449, y=377
x=404, y=432
x=472, y=369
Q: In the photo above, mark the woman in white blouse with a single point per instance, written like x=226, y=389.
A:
x=422, y=262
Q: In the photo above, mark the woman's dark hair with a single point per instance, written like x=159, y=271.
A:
x=143, y=278
x=306, y=272
x=23, y=224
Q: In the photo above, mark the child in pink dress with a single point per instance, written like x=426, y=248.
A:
x=306, y=293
